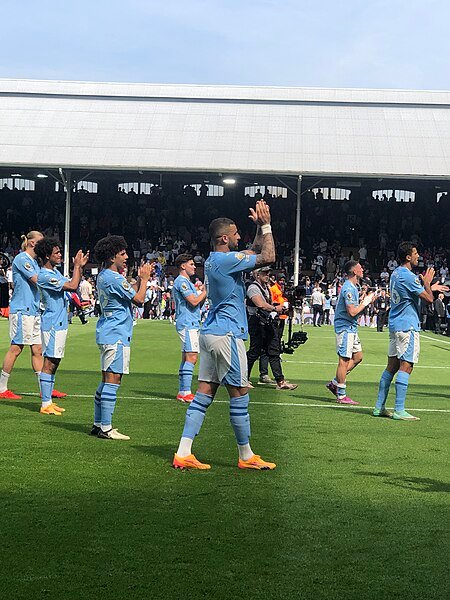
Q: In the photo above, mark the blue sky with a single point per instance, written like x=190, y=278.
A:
x=320, y=43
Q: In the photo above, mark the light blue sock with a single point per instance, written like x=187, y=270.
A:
x=98, y=405
x=46, y=383
x=341, y=390
x=240, y=419
x=401, y=387
x=108, y=403
x=185, y=376
x=383, y=389
x=195, y=415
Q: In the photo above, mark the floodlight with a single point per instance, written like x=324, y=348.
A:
x=229, y=181
x=16, y=175
x=42, y=176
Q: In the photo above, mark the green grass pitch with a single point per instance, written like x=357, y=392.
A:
x=355, y=510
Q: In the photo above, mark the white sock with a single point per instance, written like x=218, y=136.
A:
x=46, y=403
x=184, y=392
x=106, y=428
x=37, y=373
x=185, y=447
x=245, y=452
x=4, y=381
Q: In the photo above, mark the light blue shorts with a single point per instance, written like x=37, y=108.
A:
x=115, y=358
x=24, y=329
x=54, y=343
x=223, y=360
x=405, y=345
x=189, y=340
x=347, y=344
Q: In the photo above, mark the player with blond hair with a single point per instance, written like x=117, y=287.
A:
x=24, y=314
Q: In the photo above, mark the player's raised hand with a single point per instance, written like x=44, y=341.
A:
x=146, y=271
x=428, y=276
x=438, y=287
x=369, y=299
x=80, y=259
x=262, y=213
x=253, y=216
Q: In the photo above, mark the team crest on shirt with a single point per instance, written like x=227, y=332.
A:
x=27, y=266
x=53, y=281
x=125, y=285
x=184, y=286
x=239, y=255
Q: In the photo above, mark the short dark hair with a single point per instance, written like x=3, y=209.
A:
x=404, y=249
x=44, y=247
x=106, y=249
x=219, y=227
x=349, y=266
x=182, y=258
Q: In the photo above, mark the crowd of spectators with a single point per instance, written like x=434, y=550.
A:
x=174, y=219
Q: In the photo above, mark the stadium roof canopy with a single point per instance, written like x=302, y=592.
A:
x=227, y=129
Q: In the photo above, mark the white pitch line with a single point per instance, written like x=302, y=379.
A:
x=438, y=340
x=298, y=404
x=311, y=362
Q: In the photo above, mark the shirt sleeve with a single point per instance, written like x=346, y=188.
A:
x=51, y=281
x=120, y=287
x=237, y=262
x=413, y=284
x=26, y=267
x=351, y=296
x=185, y=288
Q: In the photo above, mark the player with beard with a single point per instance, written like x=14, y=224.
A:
x=407, y=290
x=223, y=359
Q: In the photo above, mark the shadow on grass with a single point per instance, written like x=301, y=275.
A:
x=165, y=451
x=77, y=427
x=418, y=484
x=32, y=407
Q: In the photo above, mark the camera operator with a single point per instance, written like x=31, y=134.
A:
x=263, y=330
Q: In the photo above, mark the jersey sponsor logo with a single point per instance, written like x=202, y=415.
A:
x=126, y=285
x=27, y=266
x=53, y=281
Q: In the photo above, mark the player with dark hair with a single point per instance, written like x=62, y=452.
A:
x=188, y=300
x=406, y=290
x=24, y=315
x=348, y=345
x=114, y=328
x=54, y=321
x=223, y=359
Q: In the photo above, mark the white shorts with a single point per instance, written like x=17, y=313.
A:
x=405, y=345
x=115, y=358
x=24, y=329
x=223, y=360
x=54, y=343
x=347, y=344
x=189, y=340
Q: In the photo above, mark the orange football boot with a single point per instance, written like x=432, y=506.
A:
x=188, y=462
x=256, y=462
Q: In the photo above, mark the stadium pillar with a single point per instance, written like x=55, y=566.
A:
x=67, y=179
x=297, y=232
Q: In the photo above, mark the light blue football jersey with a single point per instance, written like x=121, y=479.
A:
x=186, y=315
x=342, y=320
x=115, y=324
x=405, y=288
x=50, y=284
x=25, y=297
x=226, y=293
